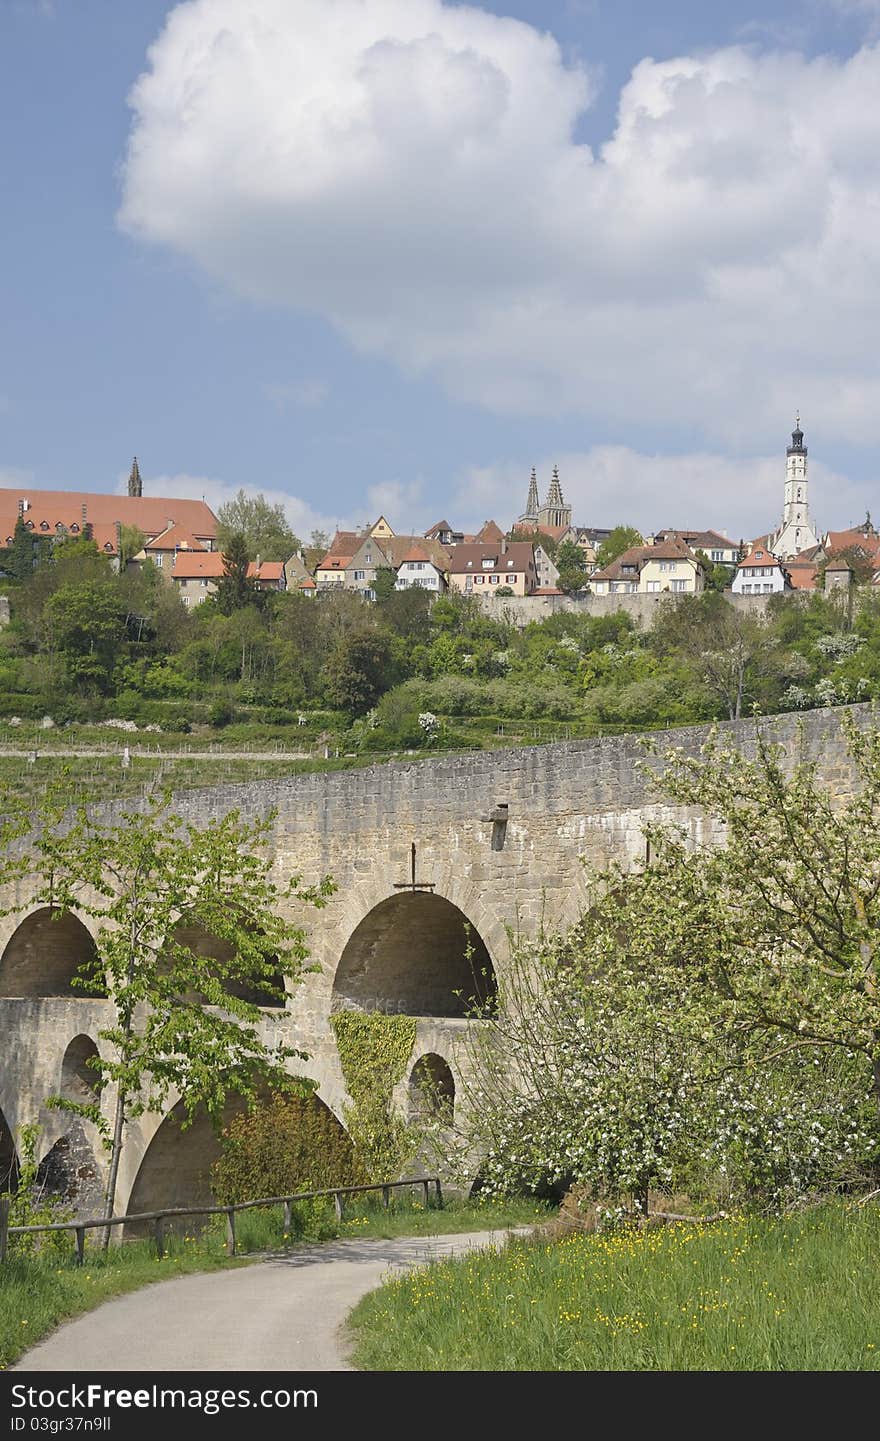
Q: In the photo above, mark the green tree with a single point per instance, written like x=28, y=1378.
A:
x=85, y=623
x=236, y=589
x=715, y=575
x=152, y=885
x=622, y=538
x=358, y=670
x=263, y=525
x=731, y=651
x=19, y=558
x=783, y=918
x=384, y=582
x=572, y=566
x=131, y=543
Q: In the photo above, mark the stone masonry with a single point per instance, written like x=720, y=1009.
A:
x=495, y=872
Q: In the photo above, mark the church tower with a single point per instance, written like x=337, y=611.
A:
x=796, y=532
x=554, y=512
x=134, y=480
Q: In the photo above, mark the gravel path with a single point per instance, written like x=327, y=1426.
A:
x=281, y=1314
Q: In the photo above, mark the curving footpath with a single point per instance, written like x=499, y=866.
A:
x=284, y=1313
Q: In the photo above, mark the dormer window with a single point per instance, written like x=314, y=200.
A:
x=29, y=524
x=74, y=528
x=44, y=525
x=489, y=564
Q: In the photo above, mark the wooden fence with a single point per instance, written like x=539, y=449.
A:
x=159, y=1218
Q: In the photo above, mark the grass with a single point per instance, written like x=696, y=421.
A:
x=745, y=1294
x=38, y=1292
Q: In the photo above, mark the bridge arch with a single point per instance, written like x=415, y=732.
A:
x=44, y=953
x=80, y=1082
x=415, y=953
x=203, y=944
x=432, y=1089
x=175, y=1169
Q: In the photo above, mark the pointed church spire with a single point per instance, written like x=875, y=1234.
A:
x=554, y=494
x=135, y=486
x=531, y=511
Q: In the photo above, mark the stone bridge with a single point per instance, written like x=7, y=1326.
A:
x=500, y=837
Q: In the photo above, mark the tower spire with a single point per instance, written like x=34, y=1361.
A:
x=531, y=511
x=135, y=486
x=554, y=494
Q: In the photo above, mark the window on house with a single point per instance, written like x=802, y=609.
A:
x=157, y=558
x=768, y=587
x=678, y=584
x=74, y=528
x=205, y=580
x=420, y=565
x=513, y=579
x=716, y=555
x=489, y=564
x=653, y=585
x=44, y=525
x=185, y=600
x=480, y=579
x=493, y=580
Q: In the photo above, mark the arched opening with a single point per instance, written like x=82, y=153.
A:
x=44, y=954
x=176, y=1168
x=8, y=1158
x=415, y=953
x=271, y=995
x=432, y=1090
x=80, y=1082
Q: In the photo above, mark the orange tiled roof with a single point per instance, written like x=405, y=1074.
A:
x=152, y=514
x=194, y=565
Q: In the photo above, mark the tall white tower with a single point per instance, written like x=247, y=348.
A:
x=796, y=532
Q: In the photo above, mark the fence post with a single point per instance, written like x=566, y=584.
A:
x=159, y=1226
x=386, y=1196
x=439, y=1194
x=425, y=1189
x=80, y=1232
x=5, y=1203
x=337, y=1202
x=230, y=1230
x=288, y=1217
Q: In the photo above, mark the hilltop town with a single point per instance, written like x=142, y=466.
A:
x=543, y=555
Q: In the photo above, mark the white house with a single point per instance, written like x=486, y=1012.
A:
x=760, y=574
x=417, y=569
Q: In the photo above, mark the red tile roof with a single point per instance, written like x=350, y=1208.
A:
x=174, y=538
x=150, y=513
x=468, y=559
x=415, y=554
x=758, y=559
x=193, y=565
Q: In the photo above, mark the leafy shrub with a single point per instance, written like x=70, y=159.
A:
x=220, y=713
x=288, y=1144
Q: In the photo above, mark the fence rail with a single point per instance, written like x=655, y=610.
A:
x=159, y=1218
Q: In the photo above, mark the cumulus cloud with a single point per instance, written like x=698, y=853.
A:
x=301, y=516
x=613, y=484
x=407, y=169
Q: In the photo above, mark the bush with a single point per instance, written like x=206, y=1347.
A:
x=288, y=1144
x=220, y=713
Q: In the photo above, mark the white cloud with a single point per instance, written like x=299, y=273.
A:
x=406, y=169
x=13, y=477
x=305, y=394
x=301, y=516
x=613, y=484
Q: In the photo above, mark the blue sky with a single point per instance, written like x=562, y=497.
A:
x=388, y=263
